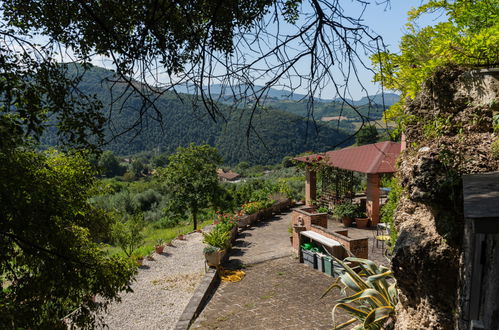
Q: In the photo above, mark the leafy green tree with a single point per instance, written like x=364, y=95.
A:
x=191, y=179
x=366, y=135
x=469, y=37
x=128, y=235
x=110, y=164
x=50, y=263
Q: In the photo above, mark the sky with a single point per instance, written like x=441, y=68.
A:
x=387, y=21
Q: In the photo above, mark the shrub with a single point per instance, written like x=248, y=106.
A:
x=347, y=210
x=146, y=200
x=127, y=235
x=388, y=210
x=322, y=209
x=153, y=215
x=123, y=202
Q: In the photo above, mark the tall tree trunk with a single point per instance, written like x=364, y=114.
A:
x=195, y=218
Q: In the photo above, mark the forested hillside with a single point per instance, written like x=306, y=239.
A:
x=277, y=133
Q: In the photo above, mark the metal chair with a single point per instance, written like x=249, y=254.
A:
x=382, y=235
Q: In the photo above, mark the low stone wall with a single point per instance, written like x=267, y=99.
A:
x=277, y=207
x=358, y=246
x=309, y=217
x=302, y=219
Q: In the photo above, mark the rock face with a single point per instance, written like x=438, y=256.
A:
x=449, y=134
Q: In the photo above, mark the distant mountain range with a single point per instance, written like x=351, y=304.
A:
x=273, y=94
x=274, y=134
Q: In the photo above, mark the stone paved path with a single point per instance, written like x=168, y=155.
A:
x=279, y=293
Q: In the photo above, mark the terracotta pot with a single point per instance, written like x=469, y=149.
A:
x=159, y=248
x=181, y=237
x=362, y=222
x=347, y=221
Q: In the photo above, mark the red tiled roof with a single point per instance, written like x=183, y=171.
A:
x=371, y=158
x=227, y=175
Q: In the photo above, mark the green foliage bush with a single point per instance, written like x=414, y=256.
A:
x=350, y=210
x=148, y=200
x=388, y=210
x=128, y=235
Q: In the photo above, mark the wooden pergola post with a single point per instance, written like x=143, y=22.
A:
x=310, y=186
x=372, y=196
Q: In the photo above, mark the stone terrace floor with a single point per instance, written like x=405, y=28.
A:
x=278, y=292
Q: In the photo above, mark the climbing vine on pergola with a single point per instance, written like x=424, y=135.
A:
x=337, y=184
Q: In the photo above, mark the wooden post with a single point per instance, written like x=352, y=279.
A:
x=310, y=186
x=372, y=204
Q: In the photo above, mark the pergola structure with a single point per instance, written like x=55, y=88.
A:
x=372, y=159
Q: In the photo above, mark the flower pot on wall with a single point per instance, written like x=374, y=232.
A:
x=362, y=222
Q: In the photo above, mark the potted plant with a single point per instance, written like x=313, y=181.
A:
x=346, y=212
x=362, y=220
x=218, y=241
x=213, y=255
x=322, y=209
x=159, y=247
x=140, y=261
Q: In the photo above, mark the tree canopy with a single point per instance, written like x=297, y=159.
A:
x=470, y=37
x=51, y=262
x=191, y=179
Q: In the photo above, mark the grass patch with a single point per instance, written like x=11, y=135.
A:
x=151, y=236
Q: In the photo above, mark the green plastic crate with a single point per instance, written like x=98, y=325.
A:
x=328, y=265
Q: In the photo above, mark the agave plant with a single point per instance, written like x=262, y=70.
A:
x=372, y=304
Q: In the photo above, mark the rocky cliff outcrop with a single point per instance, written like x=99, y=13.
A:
x=449, y=133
